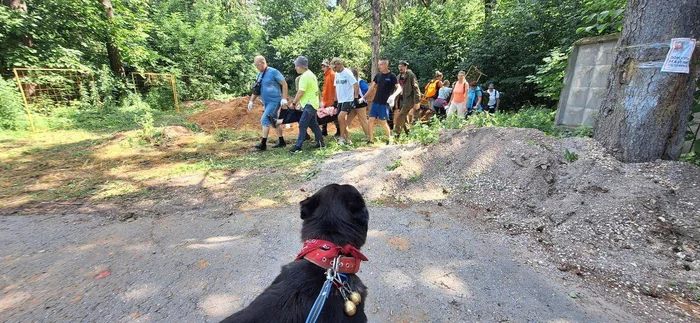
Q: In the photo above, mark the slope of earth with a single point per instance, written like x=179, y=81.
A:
x=633, y=229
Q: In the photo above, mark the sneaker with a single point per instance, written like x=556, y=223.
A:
x=261, y=146
x=295, y=149
x=341, y=141
x=319, y=145
x=280, y=144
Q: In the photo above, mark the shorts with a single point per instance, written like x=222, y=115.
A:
x=379, y=111
x=345, y=106
x=271, y=108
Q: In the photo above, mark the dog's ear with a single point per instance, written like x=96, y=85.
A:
x=308, y=206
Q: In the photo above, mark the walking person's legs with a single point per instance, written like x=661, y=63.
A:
x=307, y=117
x=270, y=109
x=361, y=114
x=401, y=120
x=315, y=128
x=371, y=129
x=342, y=120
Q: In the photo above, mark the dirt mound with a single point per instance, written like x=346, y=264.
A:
x=231, y=114
x=636, y=227
x=234, y=114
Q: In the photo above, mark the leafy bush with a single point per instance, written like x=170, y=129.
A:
x=161, y=97
x=149, y=133
x=532, y=117
x=426, y=133
x=549, y=77
x=11, y=106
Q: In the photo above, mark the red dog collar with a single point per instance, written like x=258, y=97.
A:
x=323, y=253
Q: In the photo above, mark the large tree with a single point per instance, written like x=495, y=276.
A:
x=115, y=58
x=376, y=34
x=644, y=113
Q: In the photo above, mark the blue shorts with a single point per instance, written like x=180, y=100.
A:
x=272, y=109
x=379, y=111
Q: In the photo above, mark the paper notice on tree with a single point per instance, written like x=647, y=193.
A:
x=678, y=57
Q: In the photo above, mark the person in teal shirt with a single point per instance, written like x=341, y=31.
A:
x=307, y=97
x=474, y=97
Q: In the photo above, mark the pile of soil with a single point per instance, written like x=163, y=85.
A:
x=633, y=227
x=231, y=114
x=234, y=114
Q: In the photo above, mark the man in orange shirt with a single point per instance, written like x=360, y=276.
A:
x=328, y=94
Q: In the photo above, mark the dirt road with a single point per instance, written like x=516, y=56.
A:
x=200, y=265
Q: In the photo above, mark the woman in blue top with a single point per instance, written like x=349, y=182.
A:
x=474, y=98
x=360, y=110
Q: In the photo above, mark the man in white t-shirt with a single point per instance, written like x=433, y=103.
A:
x=494, y=98
x=347, y=90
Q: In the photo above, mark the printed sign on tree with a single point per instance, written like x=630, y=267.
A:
x=678, y=57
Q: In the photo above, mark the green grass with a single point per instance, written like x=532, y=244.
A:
x=393, y=165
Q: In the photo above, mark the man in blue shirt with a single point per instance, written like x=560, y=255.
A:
x=273, y=93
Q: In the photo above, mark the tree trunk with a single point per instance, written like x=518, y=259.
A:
x=645, y=112
x=20, y=5
x=115, y=59
x=376, y=34
x=489, y=5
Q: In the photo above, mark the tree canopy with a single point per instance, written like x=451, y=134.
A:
x=521, y=45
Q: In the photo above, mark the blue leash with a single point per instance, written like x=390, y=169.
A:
x=320, y=300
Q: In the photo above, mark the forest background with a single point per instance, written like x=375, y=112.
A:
x=520, y=45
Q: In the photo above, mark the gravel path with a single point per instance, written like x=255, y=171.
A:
x=200, y=266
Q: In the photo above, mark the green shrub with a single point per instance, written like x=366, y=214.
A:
x=161, y=97
x=426, y=133
x=11, y=106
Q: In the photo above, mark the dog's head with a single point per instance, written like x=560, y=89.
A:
x=336, y=213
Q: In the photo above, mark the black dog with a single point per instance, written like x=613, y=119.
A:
x=337, y=214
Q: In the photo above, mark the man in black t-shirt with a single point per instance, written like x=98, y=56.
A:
x=385, y=87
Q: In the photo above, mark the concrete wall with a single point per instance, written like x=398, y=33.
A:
x=586, y=80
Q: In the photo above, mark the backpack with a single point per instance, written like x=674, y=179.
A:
x=431, y=89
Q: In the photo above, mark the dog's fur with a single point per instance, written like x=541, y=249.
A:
x=336, y=213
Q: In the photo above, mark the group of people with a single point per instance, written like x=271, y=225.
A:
x=345, y=95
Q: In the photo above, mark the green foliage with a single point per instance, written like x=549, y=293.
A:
x=435, y=38
x=693, y=129
x=549, y=77
x=415, y=177
x=532, y=117
x=570, y=156
x=11, y=106
x=223, y=135
x=149, y=134
x=602, y=17
x=426, y=133
x=324, y=36
x=394, y=165
x=203, y=38
x=161, y=97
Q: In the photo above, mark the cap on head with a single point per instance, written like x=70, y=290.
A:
x=491, y=86
x=404, y=63
x=326, y=63
x=302, y=61
x=336, y=61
